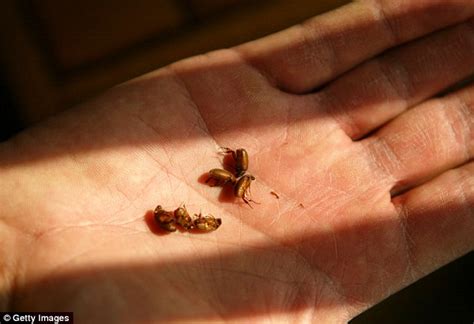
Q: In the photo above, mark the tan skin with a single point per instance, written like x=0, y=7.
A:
x=361, y=214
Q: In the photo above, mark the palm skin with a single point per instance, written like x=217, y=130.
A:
x=357, y=218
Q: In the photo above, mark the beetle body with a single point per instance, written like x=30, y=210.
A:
x=241, y=159
x=242, y=188
x=207, y=223
x=183, y=219
x=221, y=177
x=165, y=219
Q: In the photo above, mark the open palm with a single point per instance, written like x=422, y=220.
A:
x=361, y=212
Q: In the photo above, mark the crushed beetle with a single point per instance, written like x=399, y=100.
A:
x=182, y=218
x=165, y=219
x=221, y=177
x=241, y=159
x=207, y=223
x=169, y=221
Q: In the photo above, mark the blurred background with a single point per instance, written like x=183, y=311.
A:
x=58, y=53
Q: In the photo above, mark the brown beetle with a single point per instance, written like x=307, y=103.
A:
x=165, y=219
x=241, y=159
x=221, y=177
x=242, y=189
x=182, y=218
x=207, y=223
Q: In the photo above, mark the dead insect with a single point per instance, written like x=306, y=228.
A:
x=242, y=189
x=221, y=177
x=165, y=219
x=207, y=223
x=275, y=194
x=182, y=218
x=241, y=159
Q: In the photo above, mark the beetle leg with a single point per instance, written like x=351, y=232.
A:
x=225, y=150
x=247, y=201
x=247, y=195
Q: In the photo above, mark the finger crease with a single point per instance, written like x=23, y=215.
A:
x=396, y=77
x=466, y=202
x=468, y=132
x=321, y=56
x=402, y=215
x=379, y=148
x=386, y=22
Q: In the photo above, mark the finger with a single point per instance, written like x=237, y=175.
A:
x=425, y=141
x=305, y=56
x=438, y=219
x=384, y=87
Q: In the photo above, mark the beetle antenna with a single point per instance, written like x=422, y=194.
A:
x=225, y=150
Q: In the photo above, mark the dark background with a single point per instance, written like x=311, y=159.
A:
x=56, y=53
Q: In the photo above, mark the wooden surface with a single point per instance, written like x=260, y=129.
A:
x=79, y=32
x=58, y=53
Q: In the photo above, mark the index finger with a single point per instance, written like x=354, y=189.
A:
x=306, y=56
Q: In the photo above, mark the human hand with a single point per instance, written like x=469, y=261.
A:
x=357, y=218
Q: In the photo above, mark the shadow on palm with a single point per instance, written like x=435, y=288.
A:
x=243, y=282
